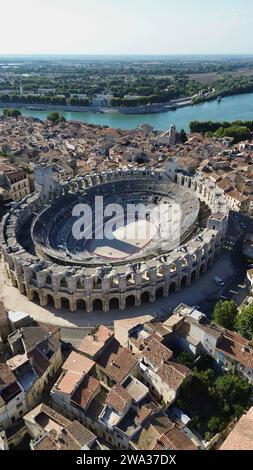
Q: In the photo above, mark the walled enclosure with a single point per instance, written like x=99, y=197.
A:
x=45, y=274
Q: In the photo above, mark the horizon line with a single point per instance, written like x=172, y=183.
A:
x=183, y=54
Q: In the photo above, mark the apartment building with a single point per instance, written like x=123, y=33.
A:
x=14, y=183
x=102, y=386
x=51, y=431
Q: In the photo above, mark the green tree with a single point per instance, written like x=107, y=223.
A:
x=55, y=118
x=231, y=390
x=244, y=322
x=185, y=358
x=183, y=136
x=214, y=424
x=238, y=133
x=225, y=313
x=9, y=112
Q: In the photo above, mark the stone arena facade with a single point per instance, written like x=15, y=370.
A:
x=63, y=277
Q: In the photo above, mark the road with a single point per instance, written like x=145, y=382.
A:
x=236, y=287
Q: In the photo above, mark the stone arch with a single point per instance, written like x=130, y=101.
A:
x=146, y=276
x=184, y=262
x=63, y=283
x=65, y=303
x=114, y=303
x=83, y=184
x=97, y=283
x=173, y=267
x=48, y=279
x=114, y=282
x=145, y=297
x=35, y=296
x=130, y=279
x=96, y=179
x=160, y=271
x=202, y=268
x=81, y=304
x=194, y=275
x=184, y=281
x=80, y=283
x=50, y=300
x=159, y=293
x=172, y=287
x=130, y=301
x=97, y=304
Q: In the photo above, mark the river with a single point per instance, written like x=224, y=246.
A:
x=230, y=108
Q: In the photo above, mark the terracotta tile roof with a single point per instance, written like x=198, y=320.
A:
x=159, y=433
x=116, y=362
x=80, y=433
x=103, y=333
x=46, y=443
x=145, y=410
x=237, y=195
x=156, y=353
x=46, y=410
x=87, y=389
x=118, y=398
x=93, y=343
x=236, y=347
x=173, y=374
x=39, y=361
x=78, y=363
x=240, y=438
x=6, y=375
x=68, y=382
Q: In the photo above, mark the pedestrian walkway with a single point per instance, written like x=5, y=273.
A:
x=196, y=293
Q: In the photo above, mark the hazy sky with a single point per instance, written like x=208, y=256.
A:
x=126, y=26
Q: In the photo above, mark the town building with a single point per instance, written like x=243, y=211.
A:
x=51, y=431
x=14, y=183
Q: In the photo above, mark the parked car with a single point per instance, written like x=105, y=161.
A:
x=218, y=281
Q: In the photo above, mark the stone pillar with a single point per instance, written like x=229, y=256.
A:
x=152, y=295
x=122, y=302
x=89, y=307
x=21, y=286
x=57, y=302
x=138, y=299
x=30, y=295
x=72, y=304
x=43, y=299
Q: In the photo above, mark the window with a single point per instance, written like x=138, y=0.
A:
x=19, y=405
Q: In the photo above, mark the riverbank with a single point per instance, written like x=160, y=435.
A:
x=145, y=109
x=232, y=108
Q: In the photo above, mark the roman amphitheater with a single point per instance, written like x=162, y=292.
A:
x=49, y=265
